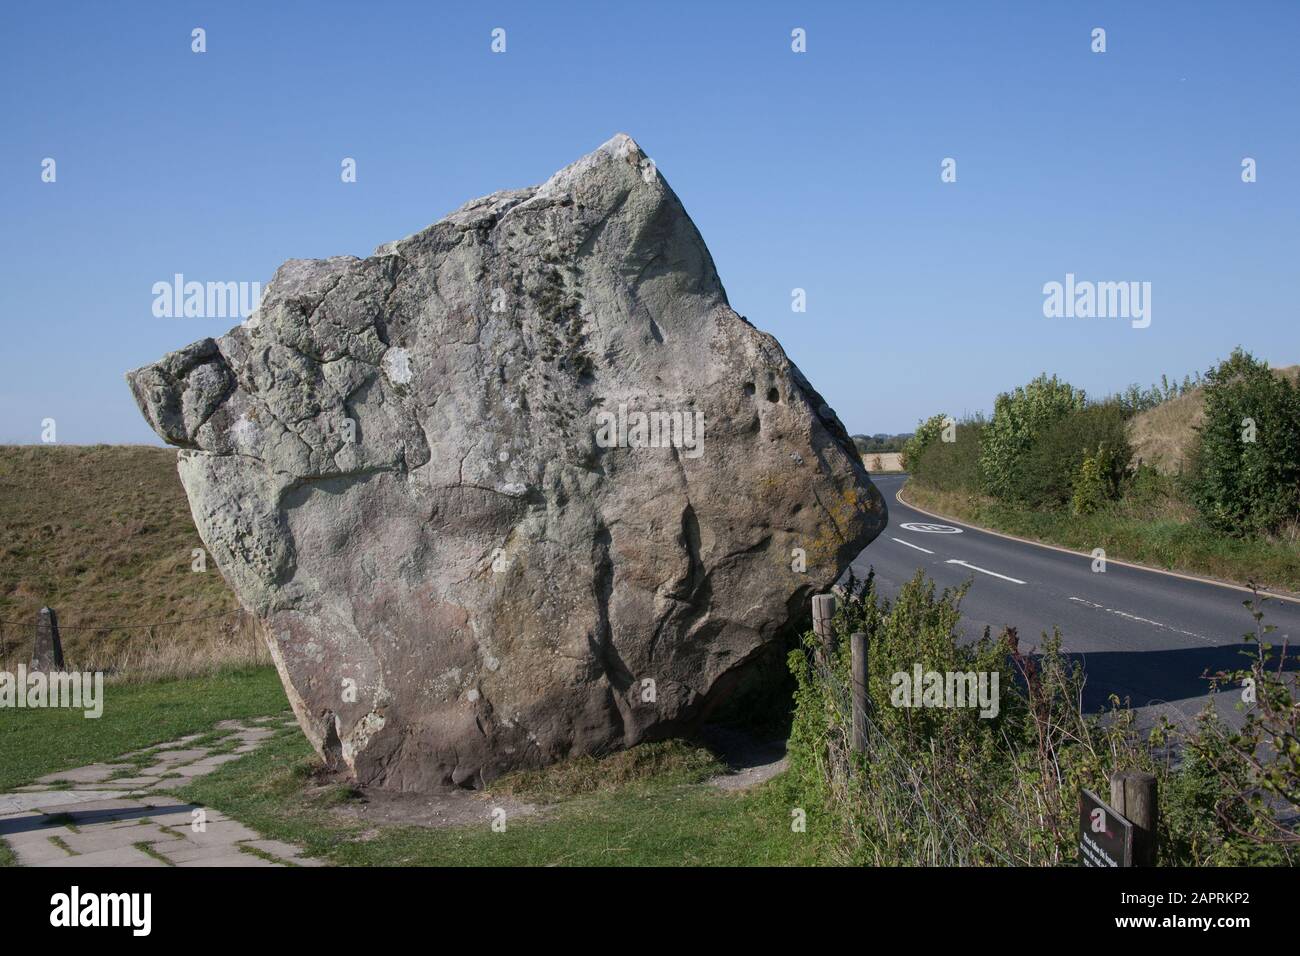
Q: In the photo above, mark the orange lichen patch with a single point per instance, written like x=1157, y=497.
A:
x=850, y=512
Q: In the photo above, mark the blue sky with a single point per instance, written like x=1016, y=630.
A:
x=817, y=170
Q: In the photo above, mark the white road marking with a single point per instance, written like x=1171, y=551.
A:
x=1273, y=595
x=1141, y=620
x=985, y=571
x=910, y=545
x=929, y=528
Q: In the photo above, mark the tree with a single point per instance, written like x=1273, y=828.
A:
x=1019, y=418
x=1246, y=467
x=926, y=433
x=1050, y=467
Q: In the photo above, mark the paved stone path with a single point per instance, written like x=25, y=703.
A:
x=120, y=813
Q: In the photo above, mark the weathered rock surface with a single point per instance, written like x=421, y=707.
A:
x=398, y=463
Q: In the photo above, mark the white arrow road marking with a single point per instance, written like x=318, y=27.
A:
x=1142, y=620
x=985, y=571
x=910, y=545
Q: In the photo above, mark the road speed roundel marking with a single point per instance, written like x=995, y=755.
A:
x=930, y=528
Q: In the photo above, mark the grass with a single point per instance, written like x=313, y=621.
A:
x=263, y=855
x=1164, y=436
x=7, y=857
x=38, y=742
x=102, y=534
x=665, y=816
x=666, y=761
x=62, y=844
x=647, y=806
x=147, y=658
x=1167, y=542
x=148, y=850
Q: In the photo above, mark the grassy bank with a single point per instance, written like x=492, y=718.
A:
x=1172, y=543
x=34, y=743
x=103, y=534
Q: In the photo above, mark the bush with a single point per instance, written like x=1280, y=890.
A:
x=1242, y=486
x=1089, y=486
x=927, y=433
x=944, y=786
x=1253, y=771
x=954, y=465
x=1046, y=472
x=1136, y=399
x=1019, y=419
x=1052, y=465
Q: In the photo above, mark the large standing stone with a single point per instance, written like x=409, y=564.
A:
x=401, y=464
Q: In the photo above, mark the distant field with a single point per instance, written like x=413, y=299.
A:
x=102, y=534
x=883, y=461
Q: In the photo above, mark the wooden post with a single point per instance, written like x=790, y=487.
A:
x=858, y=650
x=1133, y=796
x=47, y=654
x=823, y=612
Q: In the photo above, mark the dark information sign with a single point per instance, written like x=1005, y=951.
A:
x=1105, y=838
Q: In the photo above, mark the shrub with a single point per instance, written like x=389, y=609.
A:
x=1242, y=486
x=1136, y=399
x=1051, y=467
x=1256, y=766
x=1089, y=487
x=954, y=465
x=943, y=786
x=1019, y=418
x=927, y=433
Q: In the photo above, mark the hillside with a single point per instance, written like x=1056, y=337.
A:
x=1164, y=436
x=102, y=534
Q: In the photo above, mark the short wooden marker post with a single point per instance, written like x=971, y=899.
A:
x=858, y=650
x=1133, y=796
x=823, y=613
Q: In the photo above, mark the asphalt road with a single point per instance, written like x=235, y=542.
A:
x=1141, y=634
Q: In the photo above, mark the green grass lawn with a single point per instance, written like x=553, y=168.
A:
x=670, y=819
x=1161, y=542
x=37, y=742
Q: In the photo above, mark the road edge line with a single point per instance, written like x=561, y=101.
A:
x=1276, y=595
